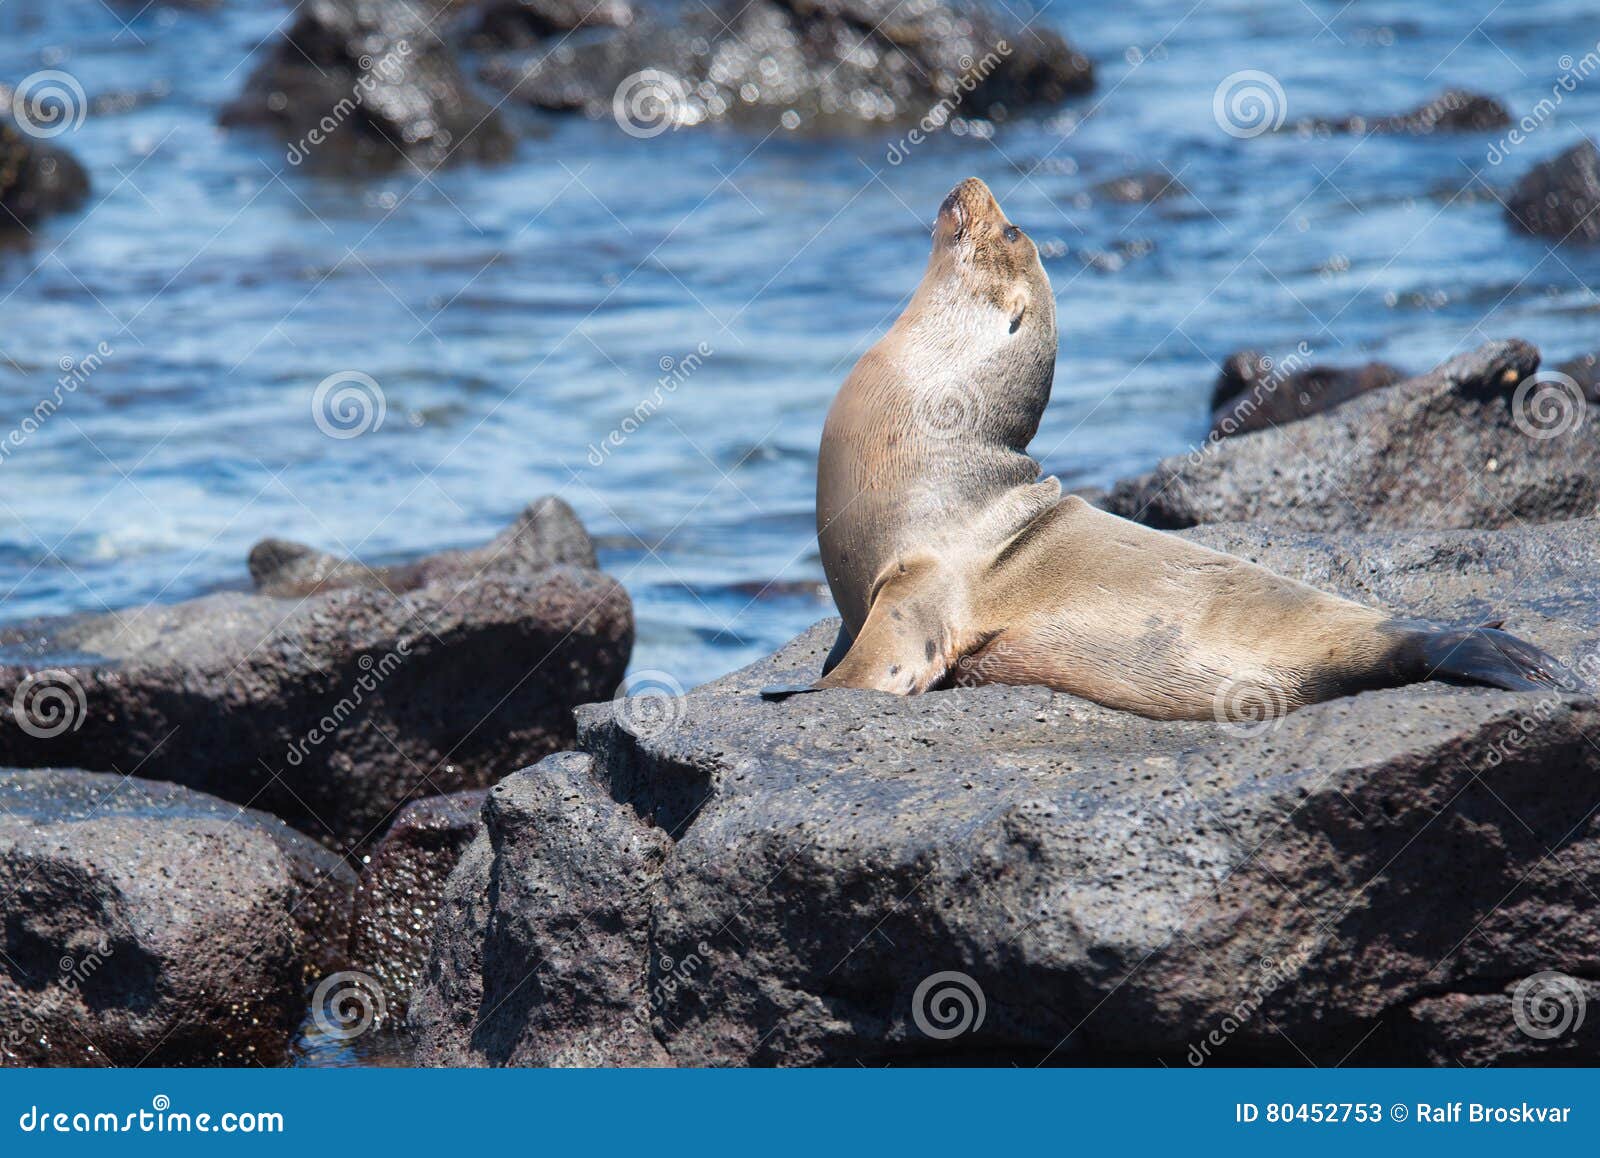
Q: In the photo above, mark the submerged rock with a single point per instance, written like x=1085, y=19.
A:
x=146, y=924
x=391, y=923
x=36, y=180
x=1560, y=198
x=1253, y=392
x=339, y=702
x=818, y=65
x=1141, y=188
x=1482, y=441
x=996, y=875
x=1584, y=370
x=1452, y=111
x=368, y=84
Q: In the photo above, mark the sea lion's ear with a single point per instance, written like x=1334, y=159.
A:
x=1016, y=306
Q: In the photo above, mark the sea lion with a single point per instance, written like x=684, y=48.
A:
x=952, y=561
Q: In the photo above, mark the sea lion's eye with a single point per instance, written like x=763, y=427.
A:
x=1011, y=232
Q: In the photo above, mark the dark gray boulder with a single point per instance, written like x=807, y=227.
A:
x=146, y=924
x=546, y=534
x=1252, y=392
x=1560, y=198
x=333, y=705
x=996, y=875
x=36, y=180
x=1542, y=1019
x=546, y=928
x=402, y=881
x=493, y=24
x=1141, y=188
x=809, y=65
x=1585, y=371
x=368, y=84
x=1452, y=111
x=1480, y=441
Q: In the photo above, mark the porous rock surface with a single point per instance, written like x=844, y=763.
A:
x=369, y=84
x=336, y=701
x=1252, y=392
x=820, y=880
x=146, y=924
x=1475, y=442
x=807, y=65
x=1452, y=111
x=391, y=921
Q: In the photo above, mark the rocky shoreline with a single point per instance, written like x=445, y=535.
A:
x=757, y=883
x=330, y=698
x=712, y=879
x=417, y=797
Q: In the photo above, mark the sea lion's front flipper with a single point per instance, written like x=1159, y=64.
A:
x=841, y=648
x=910, y=640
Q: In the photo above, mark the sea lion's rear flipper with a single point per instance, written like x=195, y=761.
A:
x=909, y=641
x=1481, y=655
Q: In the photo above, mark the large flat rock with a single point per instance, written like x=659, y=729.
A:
x=338, y=692
x=1480, y=441
x=146, y=924
x=850, y=876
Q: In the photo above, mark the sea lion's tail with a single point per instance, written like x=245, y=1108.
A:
x=1480, y=655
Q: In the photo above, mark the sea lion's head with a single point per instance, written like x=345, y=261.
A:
x=982, y=257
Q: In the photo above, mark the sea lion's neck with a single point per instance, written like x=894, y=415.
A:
x=964, y=385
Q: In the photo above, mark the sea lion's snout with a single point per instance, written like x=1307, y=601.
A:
x=964, y=206
x=950, y=212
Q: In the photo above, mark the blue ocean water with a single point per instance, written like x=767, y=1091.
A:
x=514, y=315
